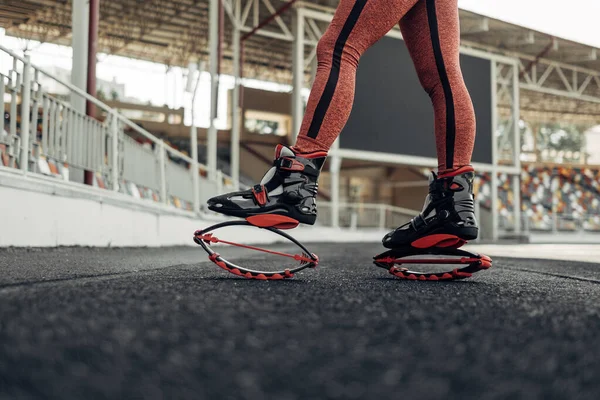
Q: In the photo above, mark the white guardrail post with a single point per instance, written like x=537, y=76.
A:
x=114, y=130
x=219, y=177
x=162, y=161
x=382, y=212
x=353, y=216
x=25, y=111
x=194, y=168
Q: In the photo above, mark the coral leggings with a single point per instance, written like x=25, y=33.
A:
x=431, y=31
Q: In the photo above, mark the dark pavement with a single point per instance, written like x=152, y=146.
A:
x=166, y=324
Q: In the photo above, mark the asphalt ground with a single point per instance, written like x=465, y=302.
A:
x=78, y=323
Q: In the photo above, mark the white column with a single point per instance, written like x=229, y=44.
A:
x=516, y=106
x=517, y=202
x=162, y=160
x=297, y=72
x=195, y=167
x=80, y=22
x=114, y=130
x=235, y=116
x=335, y=163
x=213, y=34
x=2, y=35
x=194, y=137
x=494, y=174
x=25, y=118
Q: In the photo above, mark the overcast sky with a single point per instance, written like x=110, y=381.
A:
x=577, y=20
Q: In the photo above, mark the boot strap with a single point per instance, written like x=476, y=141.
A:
x=289, y=164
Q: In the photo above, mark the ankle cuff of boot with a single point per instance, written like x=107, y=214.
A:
x=448, y=173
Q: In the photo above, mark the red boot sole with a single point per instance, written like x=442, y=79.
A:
x=439, y=240
x=272, y=221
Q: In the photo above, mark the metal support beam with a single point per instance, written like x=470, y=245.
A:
x=80, y=31
x=297, y=72
x=560, y=93
x=235, y=116
x=559, y=79
x=94, y=18
x=275, y=16
x=213, y=33
x=221, y=39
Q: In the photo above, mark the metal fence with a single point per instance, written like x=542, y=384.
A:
x=46, y=133
x=357, y=215
x=552, y=223
x=555, y=222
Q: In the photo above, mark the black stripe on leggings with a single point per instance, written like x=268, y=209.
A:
x=441, y=67
x=334, y=74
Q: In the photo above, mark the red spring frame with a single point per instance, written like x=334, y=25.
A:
x=205, y=238
x=390, y=260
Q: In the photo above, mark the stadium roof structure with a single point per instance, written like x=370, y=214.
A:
x=558, y=78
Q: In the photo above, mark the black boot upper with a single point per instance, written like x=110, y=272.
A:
x=289, y=188
x=449, y=209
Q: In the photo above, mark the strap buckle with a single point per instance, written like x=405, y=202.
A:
x=260, y=194
x=290, y=164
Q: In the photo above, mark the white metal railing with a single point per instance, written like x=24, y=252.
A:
x=552, y=223
x=45, y=133
x=365, y=215
x=558, y=222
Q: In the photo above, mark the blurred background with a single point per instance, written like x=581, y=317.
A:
x=157, y=105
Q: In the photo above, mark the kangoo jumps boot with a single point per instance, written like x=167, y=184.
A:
x=285, y=196
x=448, y=217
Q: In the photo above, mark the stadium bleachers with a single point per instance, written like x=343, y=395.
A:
x=574, y=193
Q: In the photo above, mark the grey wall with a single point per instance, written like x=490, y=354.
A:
x=393, y=114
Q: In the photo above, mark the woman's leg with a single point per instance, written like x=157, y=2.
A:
x=288, y=190
x=356, y=25
x=432, y=34
x=431, y=31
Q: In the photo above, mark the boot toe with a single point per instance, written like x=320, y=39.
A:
x=397, y=238
x=222, y=203
x=235, y=202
